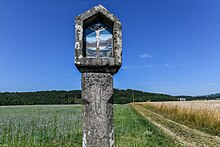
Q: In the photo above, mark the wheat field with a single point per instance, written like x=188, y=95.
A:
x=202, y=115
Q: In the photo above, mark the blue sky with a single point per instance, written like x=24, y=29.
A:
x=170, y=46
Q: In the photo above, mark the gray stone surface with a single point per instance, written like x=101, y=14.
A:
x=97, y=94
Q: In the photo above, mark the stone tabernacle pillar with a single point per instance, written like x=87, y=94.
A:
x=97, y=95
x=98, y=56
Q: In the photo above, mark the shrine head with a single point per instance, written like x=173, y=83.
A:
x=98, y=41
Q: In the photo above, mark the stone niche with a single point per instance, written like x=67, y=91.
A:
x=98, y=41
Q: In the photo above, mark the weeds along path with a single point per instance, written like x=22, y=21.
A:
x=185, y=135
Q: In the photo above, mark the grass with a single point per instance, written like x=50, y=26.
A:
x=40, y=126
x=133, y=130
x=62, y=126
x=192, y=115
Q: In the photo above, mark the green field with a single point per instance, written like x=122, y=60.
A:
x=61, y=125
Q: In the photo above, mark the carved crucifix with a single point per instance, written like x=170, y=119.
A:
x=97, y=28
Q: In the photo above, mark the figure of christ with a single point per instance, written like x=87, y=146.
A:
x=97, y=28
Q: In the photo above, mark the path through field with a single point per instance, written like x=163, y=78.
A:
x=185, y=135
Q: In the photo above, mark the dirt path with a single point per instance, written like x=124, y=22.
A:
x=185, y=135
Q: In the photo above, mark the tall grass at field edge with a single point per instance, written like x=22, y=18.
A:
x=201, y=119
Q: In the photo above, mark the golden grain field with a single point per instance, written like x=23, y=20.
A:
x=202, y=115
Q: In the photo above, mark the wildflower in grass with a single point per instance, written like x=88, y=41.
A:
x=148, y=133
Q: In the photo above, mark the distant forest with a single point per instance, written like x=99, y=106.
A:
x=74, y=97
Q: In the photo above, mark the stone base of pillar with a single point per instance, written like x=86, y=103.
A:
x=97, y=96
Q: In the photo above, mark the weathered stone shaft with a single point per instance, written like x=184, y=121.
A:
x=97, y=95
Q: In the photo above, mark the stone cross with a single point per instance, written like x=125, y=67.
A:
x=97, y=74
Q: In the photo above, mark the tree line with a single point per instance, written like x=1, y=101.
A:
x=203, y=97
x=74, y=97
